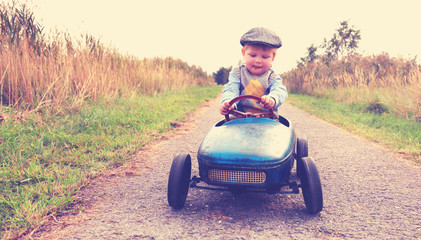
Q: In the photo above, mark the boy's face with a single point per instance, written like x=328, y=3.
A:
x=258, y=59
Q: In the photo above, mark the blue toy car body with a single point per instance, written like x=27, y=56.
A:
x=249, y=153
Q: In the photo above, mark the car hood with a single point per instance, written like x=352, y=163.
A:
x=247, y=142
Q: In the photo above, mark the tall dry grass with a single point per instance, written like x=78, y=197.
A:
x=61, y=72
x=394, y=83
x=67, y=77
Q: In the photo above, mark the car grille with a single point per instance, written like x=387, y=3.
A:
x=218, y=175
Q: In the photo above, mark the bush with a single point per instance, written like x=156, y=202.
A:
x=376, y=108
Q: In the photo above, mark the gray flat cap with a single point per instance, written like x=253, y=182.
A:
x=261, y=36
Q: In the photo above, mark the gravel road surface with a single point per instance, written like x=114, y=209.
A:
x=368, y=194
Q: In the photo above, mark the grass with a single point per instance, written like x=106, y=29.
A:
x=59, y=80
x=57, y=72
x=395, y=83
x=398, y=134
x=378, y=97
x=70, y=109
x=46, y=158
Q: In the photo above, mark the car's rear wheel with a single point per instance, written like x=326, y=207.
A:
x=302, y=151
x=179, y=180
x=310, y=185
x=302, y=147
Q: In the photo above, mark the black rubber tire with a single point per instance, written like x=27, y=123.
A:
x=179, y=180
x=302, y=151
x=310, y=185
x=302, y=147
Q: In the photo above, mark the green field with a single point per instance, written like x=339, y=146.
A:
x=46, y=158
x=398, y=134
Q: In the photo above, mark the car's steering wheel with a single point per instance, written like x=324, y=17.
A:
x=240, y=114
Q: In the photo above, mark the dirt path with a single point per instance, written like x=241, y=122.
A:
x=368, y=194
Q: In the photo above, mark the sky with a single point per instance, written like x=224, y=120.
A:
x=207, y=33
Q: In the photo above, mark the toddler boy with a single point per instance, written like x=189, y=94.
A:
x=256, y=76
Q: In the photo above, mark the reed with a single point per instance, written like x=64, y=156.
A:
x=394, y=83
x=66, y=78
x=59, y=72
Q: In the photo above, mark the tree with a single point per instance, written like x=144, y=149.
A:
x=345, y=40
x=221, y=76
x=311, y=55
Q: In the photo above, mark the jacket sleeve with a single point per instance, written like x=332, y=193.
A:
x=232, y=88
x=278, y=91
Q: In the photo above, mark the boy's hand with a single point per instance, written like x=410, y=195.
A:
x=267, y=102
x=225, y=108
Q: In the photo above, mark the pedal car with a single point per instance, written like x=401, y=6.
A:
x=253, y=152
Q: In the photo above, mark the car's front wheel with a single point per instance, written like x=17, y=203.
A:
x=310, y=185
x=179, y=180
